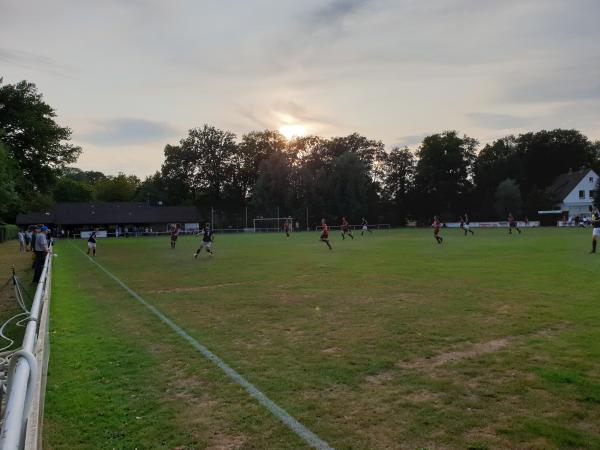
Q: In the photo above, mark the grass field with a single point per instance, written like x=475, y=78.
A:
x=388, y=341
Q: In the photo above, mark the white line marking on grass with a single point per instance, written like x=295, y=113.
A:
x=312, y=439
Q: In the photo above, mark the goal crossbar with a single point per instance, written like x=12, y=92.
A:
x=278, y=220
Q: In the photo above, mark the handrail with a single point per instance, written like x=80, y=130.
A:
x=24, y=372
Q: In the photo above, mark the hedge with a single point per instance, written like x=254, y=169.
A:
x=7, y=232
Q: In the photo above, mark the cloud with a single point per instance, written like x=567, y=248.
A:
x=334, y=11
x=498, y=121
x=410, y=140
x=128, y=131
x=556, y=89
x=28, y=60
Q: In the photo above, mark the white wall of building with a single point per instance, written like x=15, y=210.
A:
x=577, y=205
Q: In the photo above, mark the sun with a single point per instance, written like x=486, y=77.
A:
x=292, y=130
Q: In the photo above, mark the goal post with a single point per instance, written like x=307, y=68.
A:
x=261, y=224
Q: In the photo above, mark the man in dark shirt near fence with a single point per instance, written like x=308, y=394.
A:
x=41, y=248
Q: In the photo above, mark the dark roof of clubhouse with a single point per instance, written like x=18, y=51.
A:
x=113, y=213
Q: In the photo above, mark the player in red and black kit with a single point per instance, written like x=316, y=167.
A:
x=174, y=235
x=346, y=229
x=512, y=223
x=436, y=229
x=286, y=228
x=325, y=233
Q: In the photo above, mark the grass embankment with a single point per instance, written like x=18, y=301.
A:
x=21, y=262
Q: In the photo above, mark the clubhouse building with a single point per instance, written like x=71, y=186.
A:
x=114, y=217
x=574, y=192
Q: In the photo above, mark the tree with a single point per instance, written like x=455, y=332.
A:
x=203, y=165
x=508, y=198
x=36, y=142
x=68, y=190
x=369, y=151
x=152, y=190
x=254, y=148
x=547, y=154
x=442, y=175
x=496, y=162
x=398, y=172
x=178, y=173
x=121, y=188
x=273, y=184
x=90, y=176
x=349, y=185
x=539, y=200
x=39, y=202
x=9, y=198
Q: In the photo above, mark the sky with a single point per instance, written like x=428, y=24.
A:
x=129, y=77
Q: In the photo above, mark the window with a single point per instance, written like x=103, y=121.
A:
x=591, y=179
x=592, y=194
x=582, y=194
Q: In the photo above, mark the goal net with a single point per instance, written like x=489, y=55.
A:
x=272, y=223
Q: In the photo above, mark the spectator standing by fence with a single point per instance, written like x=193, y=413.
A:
x=21, y=238
x=41, y=248
x=27, y=239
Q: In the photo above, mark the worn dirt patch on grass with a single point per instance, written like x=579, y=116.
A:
x=479, y=349
x=475, y=350
x=332, y=350
x=381, y=377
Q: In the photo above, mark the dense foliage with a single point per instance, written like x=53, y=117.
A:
x=306, y=177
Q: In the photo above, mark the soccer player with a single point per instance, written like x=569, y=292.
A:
x=467, y=225
x=92, y=244
x=346, y=229
x=436, y=229
x=596, y=229
x=286, y=228
x=365, y=227
x=512, y=223
x=325, y=233
x=207, y=239
x=462, y=223
x=174, y=235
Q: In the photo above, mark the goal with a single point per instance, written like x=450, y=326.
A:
x=272, y=223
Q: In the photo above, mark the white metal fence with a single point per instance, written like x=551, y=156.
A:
x=25, y=385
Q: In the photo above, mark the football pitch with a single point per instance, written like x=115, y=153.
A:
x=388, y=341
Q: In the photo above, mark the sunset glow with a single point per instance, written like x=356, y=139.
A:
x=292, y=131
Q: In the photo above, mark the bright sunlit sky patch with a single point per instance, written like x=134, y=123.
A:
x=129, y=77
x=291, y=131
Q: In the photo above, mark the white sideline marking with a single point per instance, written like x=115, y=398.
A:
x=312, y=439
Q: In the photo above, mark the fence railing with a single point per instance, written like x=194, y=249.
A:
x=23, y=405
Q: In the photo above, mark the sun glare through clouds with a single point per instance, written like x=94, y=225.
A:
x=292, y=131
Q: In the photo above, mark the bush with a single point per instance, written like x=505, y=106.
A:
x=7, y=232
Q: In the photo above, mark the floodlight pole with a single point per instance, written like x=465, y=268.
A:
x=307, y=219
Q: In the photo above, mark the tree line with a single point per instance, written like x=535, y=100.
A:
x=353, y=176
